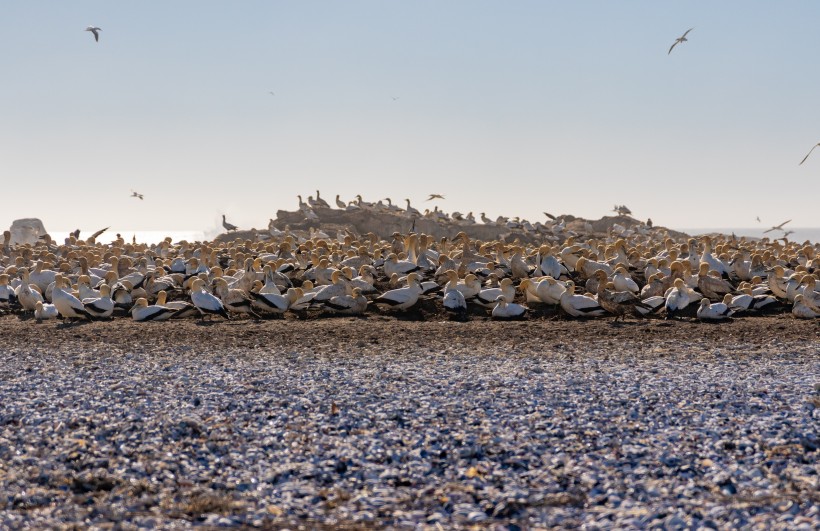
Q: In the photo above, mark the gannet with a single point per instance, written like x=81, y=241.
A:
x=801, y=311
x=7, y=297
x=402, y=298
x=777, y=227
x=353, y=304
x=679, y=40
x=321, y=202
x=206, y=303
x=454, y=301
x=587, y=267
x=336, y=288
x=713, y=312
x=579, y=305
x=435, y=196
x=141, y=312
x=96, y=31
x=136, y=195
x=274, y=302
x=45, y=311
x=489, y=297
x=228, y=226
x=233, y=300
x=400, y=267
x=507, y=310
x=101, y=307
x=712, y=287
x=550, y=290
x=619, y=303
x=410, y=211
x=804, y=158
x=182, y=308
x=624, y=282
x=67, y=304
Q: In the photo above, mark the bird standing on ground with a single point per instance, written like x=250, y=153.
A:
x=809, y=153
x=679, y=40
x=435, y=196
x=96, y=31
x=228, y=226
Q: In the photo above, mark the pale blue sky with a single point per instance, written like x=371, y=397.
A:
x=505, y=107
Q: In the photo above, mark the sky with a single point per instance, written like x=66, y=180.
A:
x=508, y=108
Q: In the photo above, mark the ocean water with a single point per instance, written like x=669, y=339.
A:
x=800, y=234
x=143, y=236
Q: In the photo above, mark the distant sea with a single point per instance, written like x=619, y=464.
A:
x=143, y=236
x=801, y=234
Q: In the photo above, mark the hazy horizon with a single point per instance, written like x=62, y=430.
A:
x=509, y=109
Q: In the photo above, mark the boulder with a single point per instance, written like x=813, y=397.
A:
x=26, y=231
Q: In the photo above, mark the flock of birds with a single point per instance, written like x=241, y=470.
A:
x=643, y=274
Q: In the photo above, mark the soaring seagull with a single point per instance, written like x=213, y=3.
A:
x=809, y=153
x=96, y=31
x=679, y=40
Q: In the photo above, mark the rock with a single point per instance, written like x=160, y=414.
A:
x=26, y=231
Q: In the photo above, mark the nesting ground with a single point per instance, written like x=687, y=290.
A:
x=356, y=422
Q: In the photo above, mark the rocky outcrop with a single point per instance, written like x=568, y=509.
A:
x=26, y=231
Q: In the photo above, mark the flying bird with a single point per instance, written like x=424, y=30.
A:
x=395, y=98
x=776, y=227
x=758, y=219
x=679, y=40
x=96, y=31
x=809, y=153
x=135, y=194
x=434, y=196
x=272, y=93
x=550, y=216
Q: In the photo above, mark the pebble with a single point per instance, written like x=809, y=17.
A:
x=407, y=437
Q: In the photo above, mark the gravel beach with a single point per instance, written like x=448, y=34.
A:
x=379, y=422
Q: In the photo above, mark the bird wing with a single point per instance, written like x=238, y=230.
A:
x=667, y=53
x=687, y=33
x=781, y=225
x=99, y=232
x=809, y=153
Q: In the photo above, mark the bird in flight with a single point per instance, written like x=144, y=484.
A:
x=434, y=196
x=809, y=153
x=758, y=219
x=272, y=93
x=135, y=194
x=395, y=98
x=777, y=227
x=679, y=40
x=96, y=31
x=550, y=216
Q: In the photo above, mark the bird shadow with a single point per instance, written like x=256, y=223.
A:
x=68, y=325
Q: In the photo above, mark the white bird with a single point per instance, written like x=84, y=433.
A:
x=777, y=227
x=713, y=312
x=801, y=311
x=26, y=296
x=354, y=304
x=507, y=310
x=579, y=305
x=96, y=31
x=276, y=303
x=402, y=298
x=206, y=303
x=141, y=312
x=101, y=307
x=489, y=297
x=454, y=301
x=807, y=156
x=679, y=40
x=45, y=311
x=67, y=304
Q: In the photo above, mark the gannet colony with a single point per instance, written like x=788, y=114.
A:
x=434, y=264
